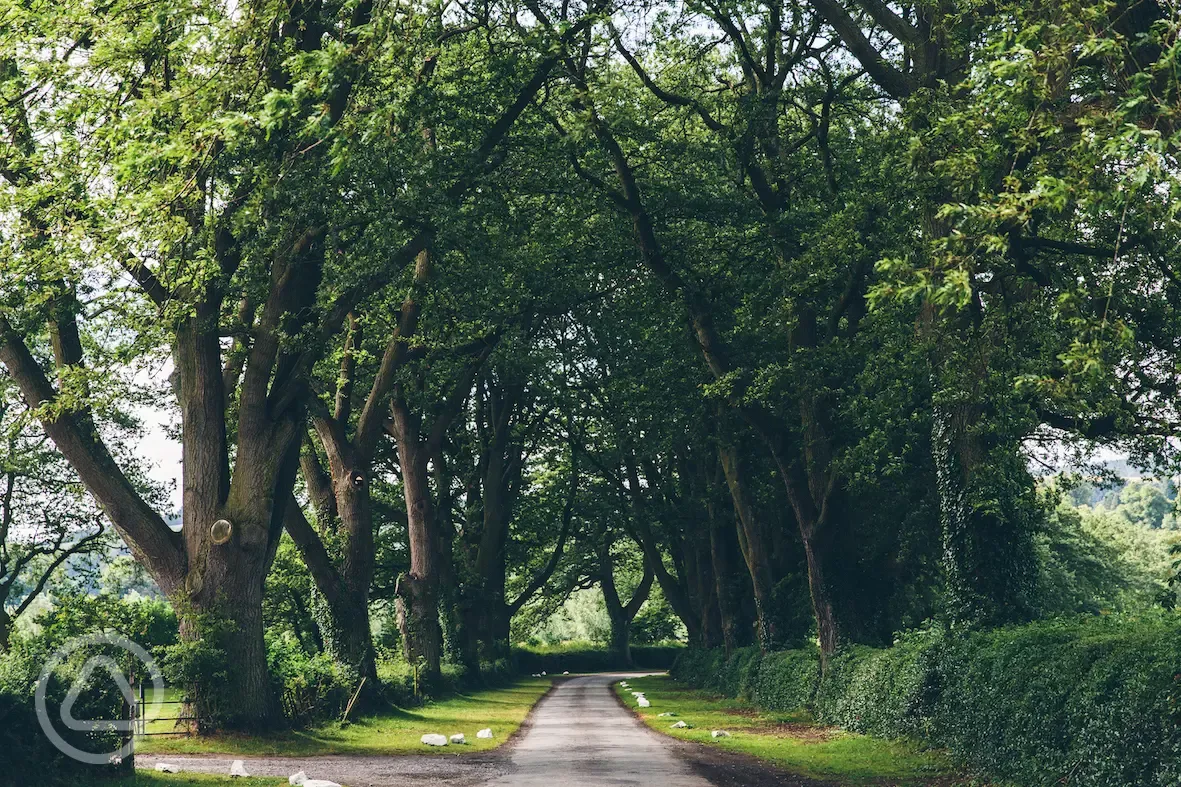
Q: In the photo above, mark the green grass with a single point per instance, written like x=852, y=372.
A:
x=149, y=779
x=791, y=741
x=394, y=731
x=160, y=718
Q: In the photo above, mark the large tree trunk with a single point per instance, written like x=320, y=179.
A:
x=227, y=614
x=418, y=590
x=345, y=631
x=721, y=538
x=756, y=551
x=827, y=628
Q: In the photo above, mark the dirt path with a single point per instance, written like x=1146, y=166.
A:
x=578, y=735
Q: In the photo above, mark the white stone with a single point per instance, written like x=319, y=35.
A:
x=238, y=769
x=297, y=778
x=458, y=738
x=167, y=767
x=643, y=703
x=484, y=733
x=637, y=694
x=680, y=725
x=666, y=713
x=543, y=673
x=623, y=683
x=720, y=734
x=319, y=783
x=567, y=672
x=434, y=739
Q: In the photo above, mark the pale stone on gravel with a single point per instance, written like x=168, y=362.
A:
x=238, y=769
x=435, y=740
x=319, y=783
x=484, y=733
x=297, y=778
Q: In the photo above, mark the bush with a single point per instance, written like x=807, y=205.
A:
x=585, y=657
x=1096, y=701
x=30, y=756
x=309, y=687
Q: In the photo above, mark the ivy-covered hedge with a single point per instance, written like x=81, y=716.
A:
x=1093, y=701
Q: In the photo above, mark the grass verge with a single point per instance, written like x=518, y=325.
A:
x=394, y=731
x=148, y=779
x=794, y=742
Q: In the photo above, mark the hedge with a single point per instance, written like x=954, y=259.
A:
x=590, y=659
x=1093, y=701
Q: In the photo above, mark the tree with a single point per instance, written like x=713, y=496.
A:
x=45, y=516
x=620, y=613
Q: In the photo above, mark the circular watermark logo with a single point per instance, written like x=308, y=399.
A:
x=101, y=660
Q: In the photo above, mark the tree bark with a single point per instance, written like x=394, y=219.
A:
x=755, y=550
x=418, y=591
x=722, y=535
x=619, y=614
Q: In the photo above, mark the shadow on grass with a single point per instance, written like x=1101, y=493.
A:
x=390, y=731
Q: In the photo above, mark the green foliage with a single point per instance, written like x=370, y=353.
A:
x=309, y=687
x=30, y=755
x=150, y=623
x=1092, y=700
x=1094, y=560
x=789, y=739
x=587, y=657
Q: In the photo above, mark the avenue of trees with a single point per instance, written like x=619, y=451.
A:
x=774, y=322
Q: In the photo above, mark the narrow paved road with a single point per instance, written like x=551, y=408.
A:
x=580, y=735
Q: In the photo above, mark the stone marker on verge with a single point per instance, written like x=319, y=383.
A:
x=666, y=713
x=643, y=703
x=680, y=725
x=484, y=733
x=458, y=738
x=297, y=778
x=167, y=767
x=434, y=739
x=238, y=769
x=720, y=734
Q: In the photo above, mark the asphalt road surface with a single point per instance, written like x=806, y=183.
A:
x=578, y=736
x=581, y=735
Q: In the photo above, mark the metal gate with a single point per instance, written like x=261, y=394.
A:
x=173, y=714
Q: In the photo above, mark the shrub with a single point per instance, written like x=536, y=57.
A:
x=1094, y=701
x=786, y=680
x=585, y=657
x=31, y=757
x=397, y=682
x=309, y=687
